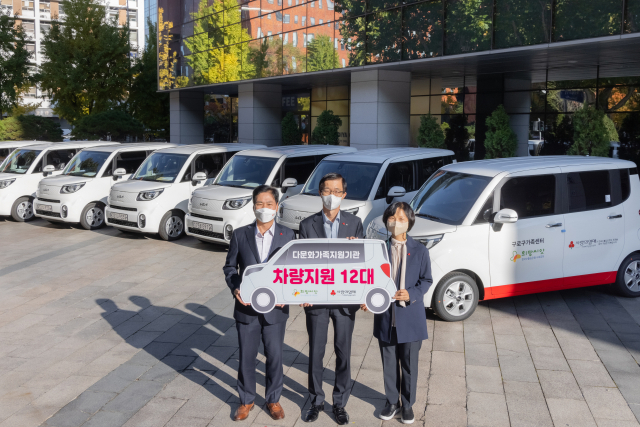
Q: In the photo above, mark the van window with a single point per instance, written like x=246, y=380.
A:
x=296, y=167
x=529, y=196
x=588, y=190
x=485, y=213
x=359, y=176
x=129, y=161
x=426, y=167
x=399, y=174
x=4, y=152
x=210, y=163
x=625, y=184
x=59, y=158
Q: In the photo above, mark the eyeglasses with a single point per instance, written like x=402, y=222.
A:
x=327, y=192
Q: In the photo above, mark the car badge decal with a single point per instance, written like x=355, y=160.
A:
x=333, y=292
x=571, y=245
x=515, y=256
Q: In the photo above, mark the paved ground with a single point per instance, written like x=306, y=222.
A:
x=110, y=329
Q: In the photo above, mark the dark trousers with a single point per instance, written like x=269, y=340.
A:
x=318, y=328
x=249, y=336
x=400, y=368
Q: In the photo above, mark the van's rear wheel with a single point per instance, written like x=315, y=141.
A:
x=172, y=225
x=92, y=217
x=22, y=209
x=378, y=301
x=455, y=297
x=263, y=300
x=628, y=279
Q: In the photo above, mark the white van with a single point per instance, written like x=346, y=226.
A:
x=25, y=167
x=7, y=147
x=155, y=198
x=79, y=194
x=374, y=178
x=217, y=210
x=499, y=228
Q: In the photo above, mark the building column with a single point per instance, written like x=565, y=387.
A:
x=186, y=117
x=260, y=114
x=518, y=105
x=380, y=109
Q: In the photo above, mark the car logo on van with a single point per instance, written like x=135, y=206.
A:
x=515, y=256
x=120, y=196
x=45, y=189
x=299, y=217
x=204, y=204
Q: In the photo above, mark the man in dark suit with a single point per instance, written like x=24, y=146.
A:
x=255, y=244
x=331, y=222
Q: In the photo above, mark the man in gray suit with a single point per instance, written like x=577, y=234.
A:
x=331, y=222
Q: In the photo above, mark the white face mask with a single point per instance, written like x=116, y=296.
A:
x=264, y=214
x=331, y=202
x=397, y=228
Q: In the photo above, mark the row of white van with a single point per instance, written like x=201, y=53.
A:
x=495, y=228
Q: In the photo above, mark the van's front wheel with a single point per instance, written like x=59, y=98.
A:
x=92, y=217
x=172, y=225
x=22, y=209
x=263, y=300
x=456, y=297
x=628, y=279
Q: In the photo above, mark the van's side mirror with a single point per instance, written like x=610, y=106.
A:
x=198, y=177
x=119, y=173
x=289, y=182
x=394, y=192
x=48, y=169
x=505, y=216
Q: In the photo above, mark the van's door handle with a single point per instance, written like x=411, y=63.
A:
x=558, y=224
x=614, y=216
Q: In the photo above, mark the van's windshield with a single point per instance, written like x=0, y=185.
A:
x=20, y=161
x=448, y=196
x=86, y=163
x=161, y=167
x=246, y=171
x=359, y=176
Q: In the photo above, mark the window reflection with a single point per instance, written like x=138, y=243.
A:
x=579, y=19
x=468, y=26
x=422, y=30
x=522, y=23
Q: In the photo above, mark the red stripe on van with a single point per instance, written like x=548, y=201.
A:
x=550, y=285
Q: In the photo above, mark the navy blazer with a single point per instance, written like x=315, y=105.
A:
x=411, y=321
x=313, y=228
x=243, y=253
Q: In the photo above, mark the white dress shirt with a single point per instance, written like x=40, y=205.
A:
x=263, y=241
x=331, y=227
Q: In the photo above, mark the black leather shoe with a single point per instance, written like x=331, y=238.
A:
x=313, y=413
x=407, y=416
x=342, y=418
x=389, y=412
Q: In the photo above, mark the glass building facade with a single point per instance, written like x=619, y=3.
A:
x=204, y=42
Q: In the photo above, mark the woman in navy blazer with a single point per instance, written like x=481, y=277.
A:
x=401, y=329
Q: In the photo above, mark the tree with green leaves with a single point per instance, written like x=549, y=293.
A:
x=114, y=125
x=501, y=141
x=88, y=69
x=291, y=132
x=321, y=55
x=14, y=63
x=612, y=132
x=456, y=137
x=145, y=103
x=22, y=128
x=430, y=134
x=326, y=130
x=590, y=136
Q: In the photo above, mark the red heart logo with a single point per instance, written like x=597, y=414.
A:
x=386, y=269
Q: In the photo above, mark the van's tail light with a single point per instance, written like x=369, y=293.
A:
x=386, y=269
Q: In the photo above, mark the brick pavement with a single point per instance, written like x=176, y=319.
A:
x=110, y=329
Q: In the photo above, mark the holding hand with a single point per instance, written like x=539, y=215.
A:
x=363, y=307
x=239, y=298
x=306, y=304
x=402, y=295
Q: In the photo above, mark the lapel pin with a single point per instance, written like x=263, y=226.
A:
x=408, y=254
x=281, y=234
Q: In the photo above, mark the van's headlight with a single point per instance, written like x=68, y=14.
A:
x=145, y=196
x=71, y=188
x=232, y=204
x=6, y=182
x=353, y=211
x=430, y=241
